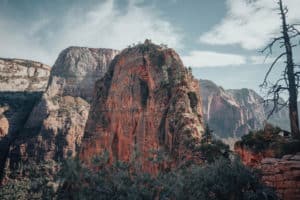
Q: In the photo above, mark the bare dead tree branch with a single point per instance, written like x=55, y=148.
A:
x=289, y=81
x=271, y=67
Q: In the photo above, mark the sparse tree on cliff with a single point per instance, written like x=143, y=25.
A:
x=290, y=77
x=207, y=136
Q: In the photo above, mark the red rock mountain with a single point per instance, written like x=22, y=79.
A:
x=147, y=101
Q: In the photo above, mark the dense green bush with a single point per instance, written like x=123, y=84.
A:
x=214, y=150
x=220, y=180
x=224, y=180
x=269, y=139
x=30, y=181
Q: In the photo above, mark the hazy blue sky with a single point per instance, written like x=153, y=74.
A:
x=220, y=39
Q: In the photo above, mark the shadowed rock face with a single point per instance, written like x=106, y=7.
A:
x=55, y=127
x=21, y=85
x=147, y=101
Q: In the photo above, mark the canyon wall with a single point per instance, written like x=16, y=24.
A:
x=233, y=113
x=22, y=83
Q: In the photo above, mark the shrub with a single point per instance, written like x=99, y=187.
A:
x=214, y=150
x=224, y=180
x=269, y=139
x=220, y=180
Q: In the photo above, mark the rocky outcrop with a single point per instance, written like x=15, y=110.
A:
x=251, y=158
x=147, y=102
x=55, y=126
x=283, y=175
x=233, y=113
x=21, y=85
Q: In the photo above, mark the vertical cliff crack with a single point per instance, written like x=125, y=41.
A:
x=115, y=146
x=144, y=90
x=193, y=100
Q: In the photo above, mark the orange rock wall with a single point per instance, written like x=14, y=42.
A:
x=284, y=175
x=281, y=174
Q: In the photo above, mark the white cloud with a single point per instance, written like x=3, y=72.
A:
x=103, y=26
x=261, y=59
x=249, y=23
x=212, y=59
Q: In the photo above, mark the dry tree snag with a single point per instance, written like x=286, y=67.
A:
x=289, y=79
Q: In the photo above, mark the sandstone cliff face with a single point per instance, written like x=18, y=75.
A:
x=233, y=113
x=282, y=174
x=250, y=158
x=56, y=124
x=23, y=75
x=146, y=102
x=221, y=111
x=21, y=85
x=252, y=109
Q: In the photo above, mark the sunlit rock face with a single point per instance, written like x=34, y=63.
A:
x=233, y=113
x=22, y=83
x=221, y=111
x=147, y=101
x=55, y=127
x=23, y=75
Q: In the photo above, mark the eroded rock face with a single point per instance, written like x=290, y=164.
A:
x=282, y=174
x=21, y=85
x=56, y=124
x=23, y=75
x=233, y=113
x=77, y=69
x=221, y=111
x=250, y=158
x=147, y=101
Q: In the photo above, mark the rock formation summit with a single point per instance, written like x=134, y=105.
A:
x=147, y=101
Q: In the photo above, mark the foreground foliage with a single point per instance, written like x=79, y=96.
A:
x=270, y=139
x=219, y=180
x=30, y=181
